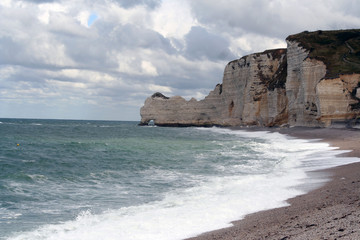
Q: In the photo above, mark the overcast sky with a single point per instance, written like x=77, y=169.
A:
x=100, y=59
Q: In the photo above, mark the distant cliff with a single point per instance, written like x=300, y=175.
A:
x=315, y=81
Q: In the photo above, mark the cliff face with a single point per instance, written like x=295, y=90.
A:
x=323, y=77
x=276, y=87
x=252, y=93
x=303, y=76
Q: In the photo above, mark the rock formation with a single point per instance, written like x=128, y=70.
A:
x=315, y=81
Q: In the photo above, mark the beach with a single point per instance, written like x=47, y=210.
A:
x=331, y=211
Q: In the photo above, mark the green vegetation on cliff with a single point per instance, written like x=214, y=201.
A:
x=339, y=50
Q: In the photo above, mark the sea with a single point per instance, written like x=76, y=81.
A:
x=72, y=179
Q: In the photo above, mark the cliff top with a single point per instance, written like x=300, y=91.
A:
x=339, y=50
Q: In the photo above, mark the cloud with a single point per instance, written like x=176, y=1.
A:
x=131, y=3
x=173, y=19
x=40, y=1
x=135, y=37
x=157, y=88
x=276, y=18
x=103, y=58
x=202, y=44
x=148, y=68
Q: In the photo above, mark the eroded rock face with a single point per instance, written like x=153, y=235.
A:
x=336, y=98
x=276, y=87
x=302, y=78
x=313, y=99
x=252, y=93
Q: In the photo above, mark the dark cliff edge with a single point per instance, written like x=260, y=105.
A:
x=314, y=82
x=339, y=50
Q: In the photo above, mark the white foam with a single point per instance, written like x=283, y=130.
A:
x=308, y=154
x=213, y=202
x=36, y=124
x=181, y=214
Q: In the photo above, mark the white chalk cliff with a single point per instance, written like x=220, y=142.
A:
x=291, y=86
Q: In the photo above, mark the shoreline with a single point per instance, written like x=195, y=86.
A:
x=330, y=211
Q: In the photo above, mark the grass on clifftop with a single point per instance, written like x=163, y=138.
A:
x=339, y=50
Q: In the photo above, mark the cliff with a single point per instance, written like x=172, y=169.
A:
x=315, y=81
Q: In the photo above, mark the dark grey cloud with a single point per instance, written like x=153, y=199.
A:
x=17, y=53
x=197, y=80
x=99, y=52
x=10, y=51
x=132, y=3
x=202, y=44
x=131, y=36
x=88, y=53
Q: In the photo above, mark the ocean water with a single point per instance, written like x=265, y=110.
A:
x=62, y=179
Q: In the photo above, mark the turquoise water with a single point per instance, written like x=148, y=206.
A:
x=62, y=179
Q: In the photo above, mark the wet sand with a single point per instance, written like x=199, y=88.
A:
x=329, y=212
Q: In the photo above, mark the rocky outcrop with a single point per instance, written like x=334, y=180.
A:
x=276, y=87
x=252, y=93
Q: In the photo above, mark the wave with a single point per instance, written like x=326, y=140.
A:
x=211, y=202
x=180, y=214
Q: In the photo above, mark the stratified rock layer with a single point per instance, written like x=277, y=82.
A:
x=273, y=88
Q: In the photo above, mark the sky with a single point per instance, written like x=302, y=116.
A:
x=101, y=59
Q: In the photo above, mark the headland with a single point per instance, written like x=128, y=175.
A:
x=314, y=82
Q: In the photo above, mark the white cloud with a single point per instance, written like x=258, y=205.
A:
x=46, y=50
x=7, y=71
x=5, y=3
x=39, y=92
x=53, y=7
x=157, y=88
x=87, y=76
x=173, y=19
x=83, y=18
x=114, y=13
x=46, y=9
x=148, y=68
x=250, y=43
x=44, y=17
x=67, y=85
